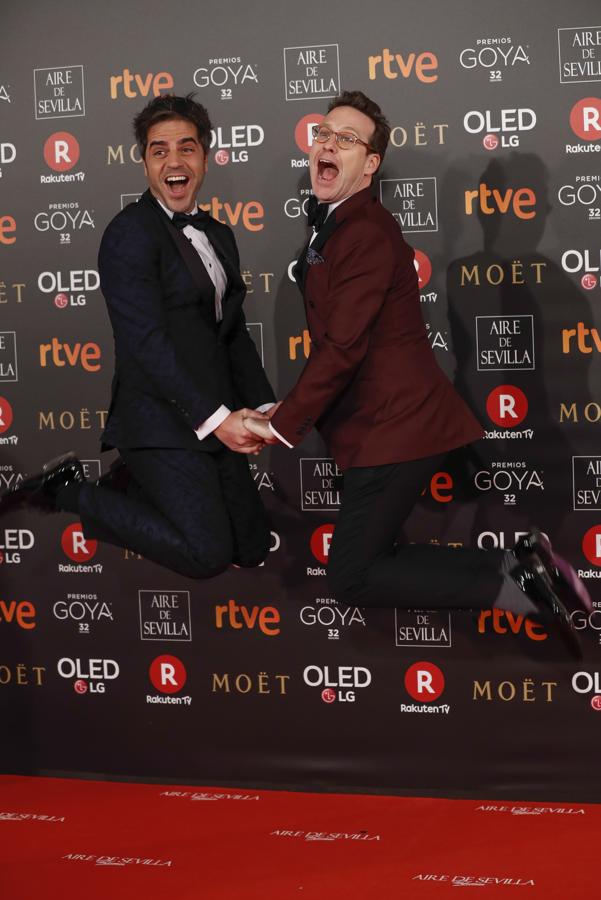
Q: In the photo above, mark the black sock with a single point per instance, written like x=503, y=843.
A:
x=67, y=498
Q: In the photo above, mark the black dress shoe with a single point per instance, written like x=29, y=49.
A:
x=562, y=575
x=39, y=491
x=532, y=577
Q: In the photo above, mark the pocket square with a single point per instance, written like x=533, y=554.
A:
x=313, y=257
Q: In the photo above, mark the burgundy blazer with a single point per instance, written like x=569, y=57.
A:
x=372, y=385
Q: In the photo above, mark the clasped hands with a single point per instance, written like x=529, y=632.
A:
x=247, y=430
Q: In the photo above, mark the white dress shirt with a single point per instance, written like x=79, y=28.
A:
x=205, y=250
x=331, y=207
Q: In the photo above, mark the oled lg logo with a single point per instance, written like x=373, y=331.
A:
x=8, y=154
x=13, y=541
x=231, y=144
x=500, y=128
x=338, y=684
x=69, y=287
x=425, y=683
x=582, y=263
x=90, y=675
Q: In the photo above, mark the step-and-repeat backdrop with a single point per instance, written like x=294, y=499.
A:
x=111, y=664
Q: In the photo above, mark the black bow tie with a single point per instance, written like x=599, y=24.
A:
x=316, y=212
x=198, y=220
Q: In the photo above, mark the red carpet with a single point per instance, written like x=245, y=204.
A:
x=86, y=840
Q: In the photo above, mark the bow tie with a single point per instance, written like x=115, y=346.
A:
x=316, y=212
x=198, y=220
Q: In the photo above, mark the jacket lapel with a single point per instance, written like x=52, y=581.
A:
x=333, y=221
x=192, y=260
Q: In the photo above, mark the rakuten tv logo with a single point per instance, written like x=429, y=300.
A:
x=303, y=134
x=6, y=415
x=423, y=267
x=591, y=545
x=321, y=541
x=424, y=682
x=585, y=119
x=167, y=674
x=77, y=547
x=61, y=151
x=507, y=406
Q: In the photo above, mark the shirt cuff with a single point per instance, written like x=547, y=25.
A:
x=209, y=425
x=279, y=436
x=264, y=407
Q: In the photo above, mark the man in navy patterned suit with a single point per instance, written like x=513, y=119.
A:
x=186, y=373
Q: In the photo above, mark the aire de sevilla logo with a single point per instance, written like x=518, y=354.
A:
x=77, y=547
x=61, y=151
x=507, y=406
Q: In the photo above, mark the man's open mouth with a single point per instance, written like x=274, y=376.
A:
x=326, y=170
x=177, y=184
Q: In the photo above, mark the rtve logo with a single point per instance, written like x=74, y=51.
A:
x=507, y=406
x=267, y=617
x=76, y=546
x=134, y=85
x=504, y=622
x=61, y=151
x=581, y=335
x=167, y=674
x=8, y=226
x=62, y=354
x=245, y=213
x=489, y=201
x=22, y=612
x=424, y=682
x=394, y=64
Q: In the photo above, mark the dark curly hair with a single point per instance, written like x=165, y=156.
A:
x=168, y=106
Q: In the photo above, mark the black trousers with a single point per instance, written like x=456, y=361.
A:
x=369, y=567
x=191, y=511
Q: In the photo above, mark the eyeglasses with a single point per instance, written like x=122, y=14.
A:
x=344, y=139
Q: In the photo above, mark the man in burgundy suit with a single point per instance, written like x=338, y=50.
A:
x=374, y=390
